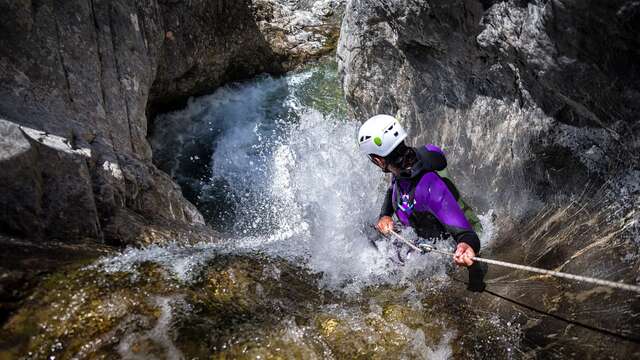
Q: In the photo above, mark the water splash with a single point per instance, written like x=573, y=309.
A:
x=313, y=204
x=159, y=334
x=285, y=179
x=302, y=272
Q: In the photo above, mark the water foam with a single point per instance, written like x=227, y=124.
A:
x=159, y=334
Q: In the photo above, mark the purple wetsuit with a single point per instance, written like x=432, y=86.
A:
x=425, y=201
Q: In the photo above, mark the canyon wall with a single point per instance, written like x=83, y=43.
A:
x=536, y=104
x=536, y=94
x=77, y=79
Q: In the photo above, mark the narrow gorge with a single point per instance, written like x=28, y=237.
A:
x=180, y=179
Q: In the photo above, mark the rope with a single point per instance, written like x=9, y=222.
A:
x=428, y=248
x=560, y=318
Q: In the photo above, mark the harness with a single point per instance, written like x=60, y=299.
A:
x=425, y=224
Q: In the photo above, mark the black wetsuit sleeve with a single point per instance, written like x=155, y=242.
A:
x=468, y=237
x=387, y=204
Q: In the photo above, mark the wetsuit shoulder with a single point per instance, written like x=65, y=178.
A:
x=433, y=195
x=433, y=148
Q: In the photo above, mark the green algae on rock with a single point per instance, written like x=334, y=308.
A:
x=233, y=307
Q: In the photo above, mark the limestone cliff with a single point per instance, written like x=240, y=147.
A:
x=75, y=81
x=207, y=44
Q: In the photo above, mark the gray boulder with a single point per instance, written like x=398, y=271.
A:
x=46, y=186
x=206, y=44
x=21, y=182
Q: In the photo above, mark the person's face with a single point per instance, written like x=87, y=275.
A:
x=382, y=164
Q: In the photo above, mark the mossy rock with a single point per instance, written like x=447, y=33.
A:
x=373, y=339
x=276, y=348
x=236, y=295
x=236, y=307
x=415, y=319
x=73, y=309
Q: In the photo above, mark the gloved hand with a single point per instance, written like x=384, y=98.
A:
x=477, y=271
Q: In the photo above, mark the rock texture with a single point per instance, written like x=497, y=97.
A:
x=78, y=78
x=22, y=264
x=247, y=37
x=205, y=45
x=299, y=30
x=74, y=83
x=537, y=93
x=537, y=104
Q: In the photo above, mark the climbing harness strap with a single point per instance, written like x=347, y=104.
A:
x=612, y=284
x=405, y=201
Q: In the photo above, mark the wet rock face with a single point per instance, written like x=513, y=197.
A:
x=84, y=74
x=206, y=44
x=248, y=37
x=23, y=262
x=299, y=30
x=240, y=308
x=75, y=83
x=534, y=102
x=542, y=94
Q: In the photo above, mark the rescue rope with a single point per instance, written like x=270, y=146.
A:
x=428, y=248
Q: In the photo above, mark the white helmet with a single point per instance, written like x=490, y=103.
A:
x=380, y=135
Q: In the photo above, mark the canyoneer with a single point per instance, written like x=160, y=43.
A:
x=421, y=194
